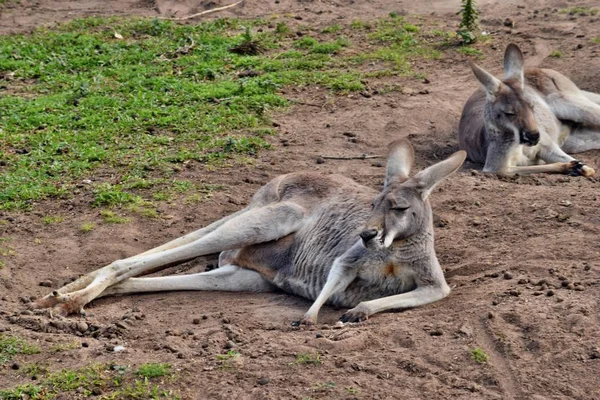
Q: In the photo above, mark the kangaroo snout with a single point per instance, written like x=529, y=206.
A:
x=529, y=138
x=368, y=234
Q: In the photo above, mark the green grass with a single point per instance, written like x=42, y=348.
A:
x=106, y=382
x=556, y=54
x=80, y=101
x=87, y=227
x=470, y=51
x=308, y=359
x=152, y=370
x=110, y=217
x=581, y=11
x=61, y=347
x=50, y=220
x=478, y=355
x=11, y=346
x=596, y=40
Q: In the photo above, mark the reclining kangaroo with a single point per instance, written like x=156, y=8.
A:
x=533, y=116
x=322, y=237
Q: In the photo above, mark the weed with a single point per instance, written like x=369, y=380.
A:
x=324, y=387
x=307, y=358
x=49, y=220
x=87, y=227
x=581, y=11
x=152, y=370
x=470, y=51
x=393, y=14
x=229, y=359
x=358, y=24
x=11, y=346
x=332, y=29
x=478, y=355
x=467, y=29
x=596, y=40
x=352, y=390
x=111, y=217
x=556, y=54
x=282, y=28
x=60, y=347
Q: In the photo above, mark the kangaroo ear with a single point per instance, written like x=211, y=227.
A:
x=490, y=83
x=513, y=63
x=401, y=157
x=428, y=179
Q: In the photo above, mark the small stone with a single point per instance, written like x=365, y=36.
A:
x=562, y=278
x=204, y=316
x=46, y=283
x=494, y=275
x=565, y=283
x=538, y=293
x=513, y=293
x=229, y=345
x=522, y=281
x=508, y=275
x=196, y=321
x=319, y=335
x=579, y=288
x=118, y=348
x=82, y=327
x=550, y=293
x=491, y=315
x=378, y=164
x=205, y=345
x=559, y=299
x=180, y=355
x=349, y=134
x=494, y=302
x=225, y=320
x=175, y=332
x=320, y=160
x=263, y=381
x=541, y=282
x=121, y=325
x=15, y=366
x=570, y=286
x=436, y=332
x=509, y=23
x=85, y=344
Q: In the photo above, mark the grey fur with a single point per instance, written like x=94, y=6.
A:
x=527, y=122
x=301, y=233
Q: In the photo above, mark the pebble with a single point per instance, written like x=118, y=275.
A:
x=508, y=275
x=204, y=316
x=118, y=348
x=320, y=160
x=15, y=366
x=85, y=344
x=196, y=321
x=319, y=335
x=46, y=283
x=82, y=327
x=225, y=320
x=263, y=381
x=550, y=293
x=513, y=293
x=491, y=315
x=229, y=345
x=522, y=281
x=436, y=332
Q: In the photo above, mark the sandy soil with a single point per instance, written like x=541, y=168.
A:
x=522, y=254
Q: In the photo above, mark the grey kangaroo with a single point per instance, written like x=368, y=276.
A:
x=528, y=122
x=322, y=237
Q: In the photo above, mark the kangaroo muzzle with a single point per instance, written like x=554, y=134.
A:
x=368, y=235
x=529, y=138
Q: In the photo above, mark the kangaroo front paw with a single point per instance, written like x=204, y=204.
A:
x=577, y=168
x=354, y=315
x=307, y=320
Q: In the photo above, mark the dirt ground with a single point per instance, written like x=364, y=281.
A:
x=522, y=254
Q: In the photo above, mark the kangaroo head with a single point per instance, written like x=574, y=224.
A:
x=507, y=110
x=401, y=210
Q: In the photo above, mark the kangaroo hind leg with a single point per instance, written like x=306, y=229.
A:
x=258, y=225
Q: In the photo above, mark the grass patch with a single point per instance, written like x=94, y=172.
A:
x=478, y=355
x=11, y=346
x=110, y=217
x=50, y=220
x=470, y=51
x=581, y=11
x=108, y=382
x=162, y=96
x=556, y=54
x=152, y=370
x=87, y=227
x=229, y=359
x=61, y=347
x=308, y=359
x=596, y=40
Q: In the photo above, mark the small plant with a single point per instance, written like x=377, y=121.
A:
x=596, y=40
x=60, y=347
x=332, y=29
x=152, y=370
x=393, y=14
x=112, y=218
x=556, y=54
x=478, y=355
x=11, y=346
x=306, y=358
x=470, y=51
x=229, y=359
x=352, y=390
x=87, y=227
x=581, y=11
x=49, y=220
x=468, y=23
x=282, y=28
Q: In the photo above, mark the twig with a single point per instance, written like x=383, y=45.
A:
x=361, y=157
x=212, y=10
x=306, y=104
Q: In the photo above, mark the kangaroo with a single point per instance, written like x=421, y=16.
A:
x=323, y=237
x=528, y=122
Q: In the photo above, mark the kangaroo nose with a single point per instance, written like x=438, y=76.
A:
x=530, y=137
x=368, y=234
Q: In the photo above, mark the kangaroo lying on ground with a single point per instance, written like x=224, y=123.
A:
x=322, y=237
x=533, y=116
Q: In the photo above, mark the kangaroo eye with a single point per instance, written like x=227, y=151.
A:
x=400, y=209
x=372, y=206
x=508, y=112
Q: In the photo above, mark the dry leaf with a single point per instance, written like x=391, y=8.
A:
x=118, y=35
